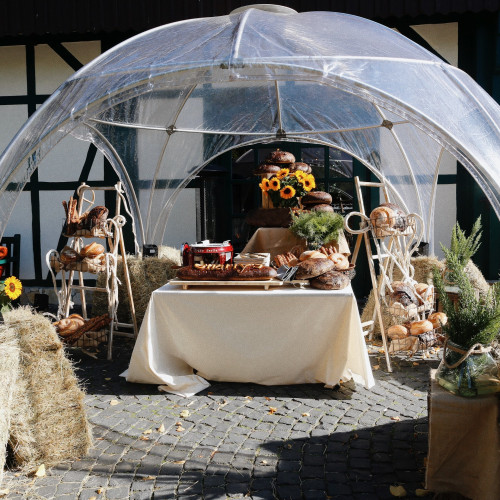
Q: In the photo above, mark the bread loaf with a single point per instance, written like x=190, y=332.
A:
x=279, y=156
x=68, y=255
x=438, y=319
x=230, y=272
x=419, y=327
x=340, y=260
x=316, y=197
x=311, y=268
x=332, y=280
x=311, y=254
x=92, y=250
x=388, y=217
x=397, y=332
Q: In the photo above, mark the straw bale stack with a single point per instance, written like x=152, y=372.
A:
x=9, y=371
x=48, y=420
x=146, y=275
x=423, y=274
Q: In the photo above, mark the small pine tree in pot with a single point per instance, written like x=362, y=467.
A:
x=467, y=368
x=317, y=228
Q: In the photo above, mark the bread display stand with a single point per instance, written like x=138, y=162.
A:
x=393, y=250
x=110, y=231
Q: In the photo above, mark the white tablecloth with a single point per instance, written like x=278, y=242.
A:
x=283, y=335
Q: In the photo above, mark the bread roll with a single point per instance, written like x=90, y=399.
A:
x=321, y=208
x=91, y=250
x=419, y=327
x=68, y=255
x=279, y=156
x=311, y=268
x=299, y=165
x=70, y=325
x=382, y=217
x=340, y=260
x=267, y=168
x=425, y=292
x=438, y=319
x=397, y=332
x=332, y=280
x=311, y=254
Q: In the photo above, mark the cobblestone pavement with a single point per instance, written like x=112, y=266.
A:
x=244, y=440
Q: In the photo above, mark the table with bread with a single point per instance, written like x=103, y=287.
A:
x=304, y=331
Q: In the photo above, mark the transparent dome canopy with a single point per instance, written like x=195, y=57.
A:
x=186, y=92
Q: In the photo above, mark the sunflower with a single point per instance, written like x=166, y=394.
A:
x=308, y=182
x=287, y=192
x=274, y=184
x=13, y=287
x=283, y=173
x=300, y=174
x=264, y=185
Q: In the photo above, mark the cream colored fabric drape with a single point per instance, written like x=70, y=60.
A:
x=283, y=335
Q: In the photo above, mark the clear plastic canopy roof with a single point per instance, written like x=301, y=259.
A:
x=186, y=92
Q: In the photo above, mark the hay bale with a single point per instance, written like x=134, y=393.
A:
x=9, y=371
x=423, y=274
x=48, y=421
x=146, y=275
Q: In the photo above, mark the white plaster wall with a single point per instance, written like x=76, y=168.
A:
x=12, y=118
x=13, y=70
x=51, y=70
x=20, y=222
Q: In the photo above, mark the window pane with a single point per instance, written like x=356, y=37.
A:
x=340, y=164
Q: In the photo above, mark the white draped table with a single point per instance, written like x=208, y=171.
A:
x=283, y=335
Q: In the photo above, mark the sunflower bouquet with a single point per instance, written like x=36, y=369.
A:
x=10, y=290
x=286, y=187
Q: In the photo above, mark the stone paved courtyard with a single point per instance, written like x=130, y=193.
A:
x=244, y=440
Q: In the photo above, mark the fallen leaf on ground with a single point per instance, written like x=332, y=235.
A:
x=99, y=491
x=397, y=491
x=415, y=363
x=272, y=410
x=248, y=397
x=161, y=428
x=149, y=431
x=263, y=462
x=184, y=413
x=149, y=478
x=376, y=367
x=180, y=462
x=396, y=418
x=355, y=436
x=40, y=472
x=114, y=402
x=419, y=492
x=305, y=414
x=93, y=498
x=178, y=423
x=144, y=438
x=180, y=428
x=209, y=393
x=4, y=493
x=268, y=399
x=289, y=446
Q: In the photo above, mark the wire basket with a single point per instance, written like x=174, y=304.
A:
x=401, y=225
x=414, y=343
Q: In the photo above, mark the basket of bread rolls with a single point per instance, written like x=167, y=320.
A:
x=91, y=258
x=388, y=219
x=417, y=334
x=407, y=300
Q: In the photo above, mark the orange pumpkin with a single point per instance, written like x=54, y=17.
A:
x=3, y=252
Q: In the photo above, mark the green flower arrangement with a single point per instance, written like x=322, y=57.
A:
x=317, y=228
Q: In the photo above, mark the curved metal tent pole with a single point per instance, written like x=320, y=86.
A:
x=160, y=157
x=433, y=200
x=130, y=189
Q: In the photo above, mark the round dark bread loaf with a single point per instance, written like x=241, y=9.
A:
x=304, y=167
x=316, y=197
x=279, y=156
x=321, y=207
x=267, y=168
x=311, y=268
x=332, y=280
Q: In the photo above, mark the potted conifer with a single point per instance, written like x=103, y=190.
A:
x=467, y=368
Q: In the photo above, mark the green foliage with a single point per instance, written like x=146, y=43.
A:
x=463, y=247
x=475, y=320
x=317, y=228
